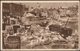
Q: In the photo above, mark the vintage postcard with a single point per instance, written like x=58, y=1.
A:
x=39, y=25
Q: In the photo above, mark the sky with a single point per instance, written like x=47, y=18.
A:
x=48, y=5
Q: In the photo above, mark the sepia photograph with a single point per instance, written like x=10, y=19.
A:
x=39, y=25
